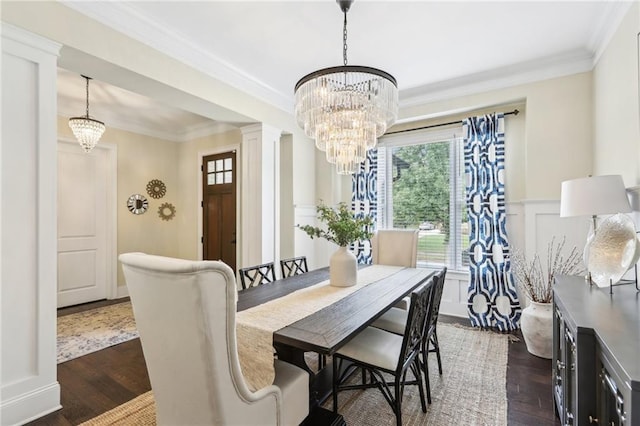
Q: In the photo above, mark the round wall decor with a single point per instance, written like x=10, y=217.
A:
x=137, y=204
x=156, y=188
x=166, y=211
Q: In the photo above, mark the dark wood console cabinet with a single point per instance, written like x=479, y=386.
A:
x=596, y=353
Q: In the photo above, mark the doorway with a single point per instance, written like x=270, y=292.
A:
x=219, y=208
x=86, y=223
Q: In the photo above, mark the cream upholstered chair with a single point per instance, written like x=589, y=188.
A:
x=185, y=313
x=395, y=247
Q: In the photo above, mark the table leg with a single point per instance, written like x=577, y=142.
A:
x=320, y=383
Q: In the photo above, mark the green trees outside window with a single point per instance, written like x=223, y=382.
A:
x=427, y=192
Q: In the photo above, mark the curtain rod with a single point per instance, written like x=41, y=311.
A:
x=514, y=112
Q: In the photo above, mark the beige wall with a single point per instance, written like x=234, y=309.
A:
x=117, y=59
x=141, y=159
x=615, y=114
x=546, y=144
x=59, y=23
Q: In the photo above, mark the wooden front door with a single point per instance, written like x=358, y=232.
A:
x=219, y=208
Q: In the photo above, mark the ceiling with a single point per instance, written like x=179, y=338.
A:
x=434, y=49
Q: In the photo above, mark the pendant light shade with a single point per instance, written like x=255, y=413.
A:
x=87, y=130
x=346, y=108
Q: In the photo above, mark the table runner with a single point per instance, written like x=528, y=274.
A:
x=255, y=326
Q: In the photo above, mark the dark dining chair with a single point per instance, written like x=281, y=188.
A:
x=395, y=319
x=377, y=352
x=254, y=276
x=293, y=266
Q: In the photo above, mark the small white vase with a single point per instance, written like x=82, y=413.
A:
x=343, y=268
x=537, y=328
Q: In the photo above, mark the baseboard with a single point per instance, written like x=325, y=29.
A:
x=30, y=406
x=454, y=309
x=123, y=291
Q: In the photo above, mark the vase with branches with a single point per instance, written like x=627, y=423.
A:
x=343, y=228
x=536, y=281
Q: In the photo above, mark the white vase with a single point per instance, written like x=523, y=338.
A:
x=343, y=268
x=537, y=328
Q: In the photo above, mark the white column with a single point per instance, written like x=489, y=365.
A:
x=260, y=237
x=28, y=178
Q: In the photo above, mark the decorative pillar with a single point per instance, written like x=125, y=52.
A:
x=28, y=227
x=260, y=197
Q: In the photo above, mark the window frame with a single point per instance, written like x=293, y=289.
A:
x=457, y=181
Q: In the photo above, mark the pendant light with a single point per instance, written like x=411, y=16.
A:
x=86, y=129
x=346, y=108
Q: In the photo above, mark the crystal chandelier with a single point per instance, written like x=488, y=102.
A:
x=86, y=129
x=346, y=108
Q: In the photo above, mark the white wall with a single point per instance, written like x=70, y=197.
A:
x=28, y=244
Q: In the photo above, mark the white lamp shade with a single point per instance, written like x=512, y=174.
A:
x=593, y=196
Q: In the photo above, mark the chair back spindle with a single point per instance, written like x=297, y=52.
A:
x=293, y=266
x=257, y=275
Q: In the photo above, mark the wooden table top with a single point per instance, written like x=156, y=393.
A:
x=328, y=329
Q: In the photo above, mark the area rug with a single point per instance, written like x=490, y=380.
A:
x=471, y=390
x=89, y=331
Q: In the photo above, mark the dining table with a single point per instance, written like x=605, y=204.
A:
x=326, y=329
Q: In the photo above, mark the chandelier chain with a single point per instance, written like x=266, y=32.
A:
x=87, y=96
x=344, y=40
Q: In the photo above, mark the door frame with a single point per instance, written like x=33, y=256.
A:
x=201, y=155
x=111, y=233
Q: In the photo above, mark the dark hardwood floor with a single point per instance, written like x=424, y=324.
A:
x=98, y=382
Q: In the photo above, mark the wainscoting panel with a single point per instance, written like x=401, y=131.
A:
x=531, y=225
x=28, y=168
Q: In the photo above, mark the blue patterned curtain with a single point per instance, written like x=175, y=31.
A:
x=492, y=298
x=364, y=200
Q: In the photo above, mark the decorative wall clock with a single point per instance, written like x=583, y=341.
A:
x=166, y=211
x=156, y=188
x=137, y=204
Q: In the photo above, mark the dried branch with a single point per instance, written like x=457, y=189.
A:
x=537, y=282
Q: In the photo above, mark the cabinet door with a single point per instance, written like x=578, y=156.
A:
x=558, y=355
x=610, y=401
x=570, y=377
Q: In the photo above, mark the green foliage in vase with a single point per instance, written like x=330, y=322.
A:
x=537, y=282
x=343, y=227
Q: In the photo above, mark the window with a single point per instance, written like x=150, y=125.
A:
x=421, y=185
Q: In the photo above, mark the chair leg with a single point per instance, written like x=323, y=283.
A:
x=335, y=384
x=425, y=367
x=398, y=402
x=415, y=368
x=427, y=383
x=436, y=346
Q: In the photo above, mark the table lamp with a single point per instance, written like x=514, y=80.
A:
x=593, y=196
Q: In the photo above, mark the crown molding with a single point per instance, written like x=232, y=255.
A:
x=500, y=78
x=127, y=20
x=22, y=36
x=607, y=27
x=189, y=134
